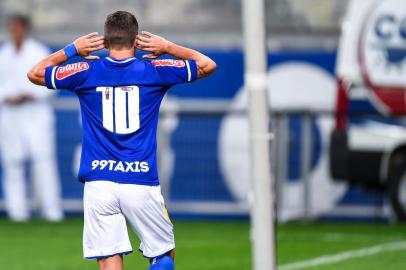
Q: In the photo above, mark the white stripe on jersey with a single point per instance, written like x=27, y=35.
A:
x=53, y=78
x=189, y=74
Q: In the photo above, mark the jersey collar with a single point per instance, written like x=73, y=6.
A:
x=120, y=61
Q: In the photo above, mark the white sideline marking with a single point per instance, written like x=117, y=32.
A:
x=335, y=258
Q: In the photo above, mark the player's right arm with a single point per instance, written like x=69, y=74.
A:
x=157, y=46
x=84, y=46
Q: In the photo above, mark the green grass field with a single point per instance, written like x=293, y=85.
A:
x=210, y=245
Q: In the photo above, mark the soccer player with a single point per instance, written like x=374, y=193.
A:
x=120, y=97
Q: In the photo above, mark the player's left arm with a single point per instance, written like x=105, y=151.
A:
x=82, y=46
x=157, y=46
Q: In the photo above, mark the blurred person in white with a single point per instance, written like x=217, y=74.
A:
x=26, y=128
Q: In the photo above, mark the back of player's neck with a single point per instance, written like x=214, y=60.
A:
x=121, y=54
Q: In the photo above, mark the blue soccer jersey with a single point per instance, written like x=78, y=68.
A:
x=120, y=102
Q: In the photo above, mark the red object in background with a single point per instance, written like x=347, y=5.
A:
x=342, y=103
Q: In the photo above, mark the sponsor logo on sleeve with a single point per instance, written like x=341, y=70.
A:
x=71, y=69
x=168, y=63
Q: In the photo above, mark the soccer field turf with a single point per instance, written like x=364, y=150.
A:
x=214, y=245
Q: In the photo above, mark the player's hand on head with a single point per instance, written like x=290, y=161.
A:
x=151, y=43
x=89, y=43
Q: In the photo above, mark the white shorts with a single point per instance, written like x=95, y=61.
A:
x=107, y=206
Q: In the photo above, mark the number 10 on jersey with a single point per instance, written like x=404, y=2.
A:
x=121, y=108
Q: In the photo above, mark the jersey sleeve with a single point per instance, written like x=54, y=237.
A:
x=173, y=72
x=66, y=77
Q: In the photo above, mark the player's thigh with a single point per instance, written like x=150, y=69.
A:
x=105, y=230
x=113, y=262
x=145, y=210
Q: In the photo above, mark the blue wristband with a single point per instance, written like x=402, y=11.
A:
x=70, y=51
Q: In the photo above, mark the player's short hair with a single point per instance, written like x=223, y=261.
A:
x=23, y=19
x=121, y=29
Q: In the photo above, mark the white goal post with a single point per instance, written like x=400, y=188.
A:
x=255, y=62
